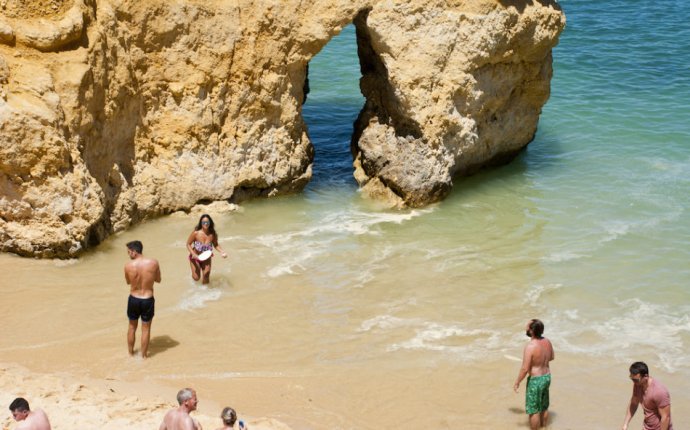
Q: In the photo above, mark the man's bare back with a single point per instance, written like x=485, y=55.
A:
x=179, y=420
x=538, y=353
x=141, y=273
x=36, y=420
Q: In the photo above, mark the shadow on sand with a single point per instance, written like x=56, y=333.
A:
x=525, y=423
x=160, y=344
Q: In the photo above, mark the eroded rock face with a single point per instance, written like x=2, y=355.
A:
x=114, y=111
x=463, y=89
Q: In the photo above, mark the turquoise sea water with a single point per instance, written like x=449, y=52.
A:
x=595, y=211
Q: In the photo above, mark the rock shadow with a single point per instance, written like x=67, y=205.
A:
x=520, y=5
x=381, y=101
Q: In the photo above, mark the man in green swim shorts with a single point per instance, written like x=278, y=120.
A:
x=535, y=363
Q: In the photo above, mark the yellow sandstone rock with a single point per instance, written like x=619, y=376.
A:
x=112, y=111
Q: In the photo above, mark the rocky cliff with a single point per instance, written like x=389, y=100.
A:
x=112, y=110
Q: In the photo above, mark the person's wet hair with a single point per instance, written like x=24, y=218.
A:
x=211, y=225
x=228, y=416
x=184, y=395
x=537, y=327
x=19, y=404
x=136, y=246
x=639, y=368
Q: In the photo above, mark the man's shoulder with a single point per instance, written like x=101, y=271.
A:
x=149, y=262
x=659, y=388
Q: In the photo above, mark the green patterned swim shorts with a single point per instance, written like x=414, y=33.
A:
x=537, y=394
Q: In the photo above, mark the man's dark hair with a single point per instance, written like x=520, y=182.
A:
x=136, y=246
x=537, y=327
x=19, y=404
x=639, y=368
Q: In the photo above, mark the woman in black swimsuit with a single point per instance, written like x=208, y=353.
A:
x=203, y=238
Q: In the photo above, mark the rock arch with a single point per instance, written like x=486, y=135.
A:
x=116, y=119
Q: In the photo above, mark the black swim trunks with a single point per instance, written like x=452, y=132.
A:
x=143, y=308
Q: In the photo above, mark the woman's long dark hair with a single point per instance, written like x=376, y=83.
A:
x=211, y=228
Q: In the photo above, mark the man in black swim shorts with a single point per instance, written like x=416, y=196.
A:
x=140, y=273
x=140, y=308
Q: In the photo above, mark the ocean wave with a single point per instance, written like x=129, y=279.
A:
x=295, y=248
x=533, y=295
x=466, y=344
x=638, y=329
x=340, y=223
x=66, y=262
x=197, y=296
x=561, y=256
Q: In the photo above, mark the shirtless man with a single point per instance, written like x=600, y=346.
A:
x=179, y=419
x=30, y=420
x=535, y=363
x=140, y=274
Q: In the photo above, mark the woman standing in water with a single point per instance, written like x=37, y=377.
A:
x=203, y=238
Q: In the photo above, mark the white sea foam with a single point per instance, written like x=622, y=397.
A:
x=561, y=256
x=386, y=322
x=294, y=262
x=283, y=269
x=222, y=375
x=376, y=262
x=296, y=248
x=455, y=259
x=67, y=262
x=533, y=295
x=435, y=337
x=462, y=343
x=197, y=296
x=341, y=223
x=615, y=229
x=638, y=329
x=363, y=278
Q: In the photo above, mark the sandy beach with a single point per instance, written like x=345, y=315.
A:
x=86, y=403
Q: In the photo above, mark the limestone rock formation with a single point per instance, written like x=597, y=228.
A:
x=112, y=111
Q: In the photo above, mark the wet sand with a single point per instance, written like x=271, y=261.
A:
x=291, y=349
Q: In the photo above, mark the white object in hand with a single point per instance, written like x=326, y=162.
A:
x=204, y=255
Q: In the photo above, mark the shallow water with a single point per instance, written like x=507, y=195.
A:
x=333, y=313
